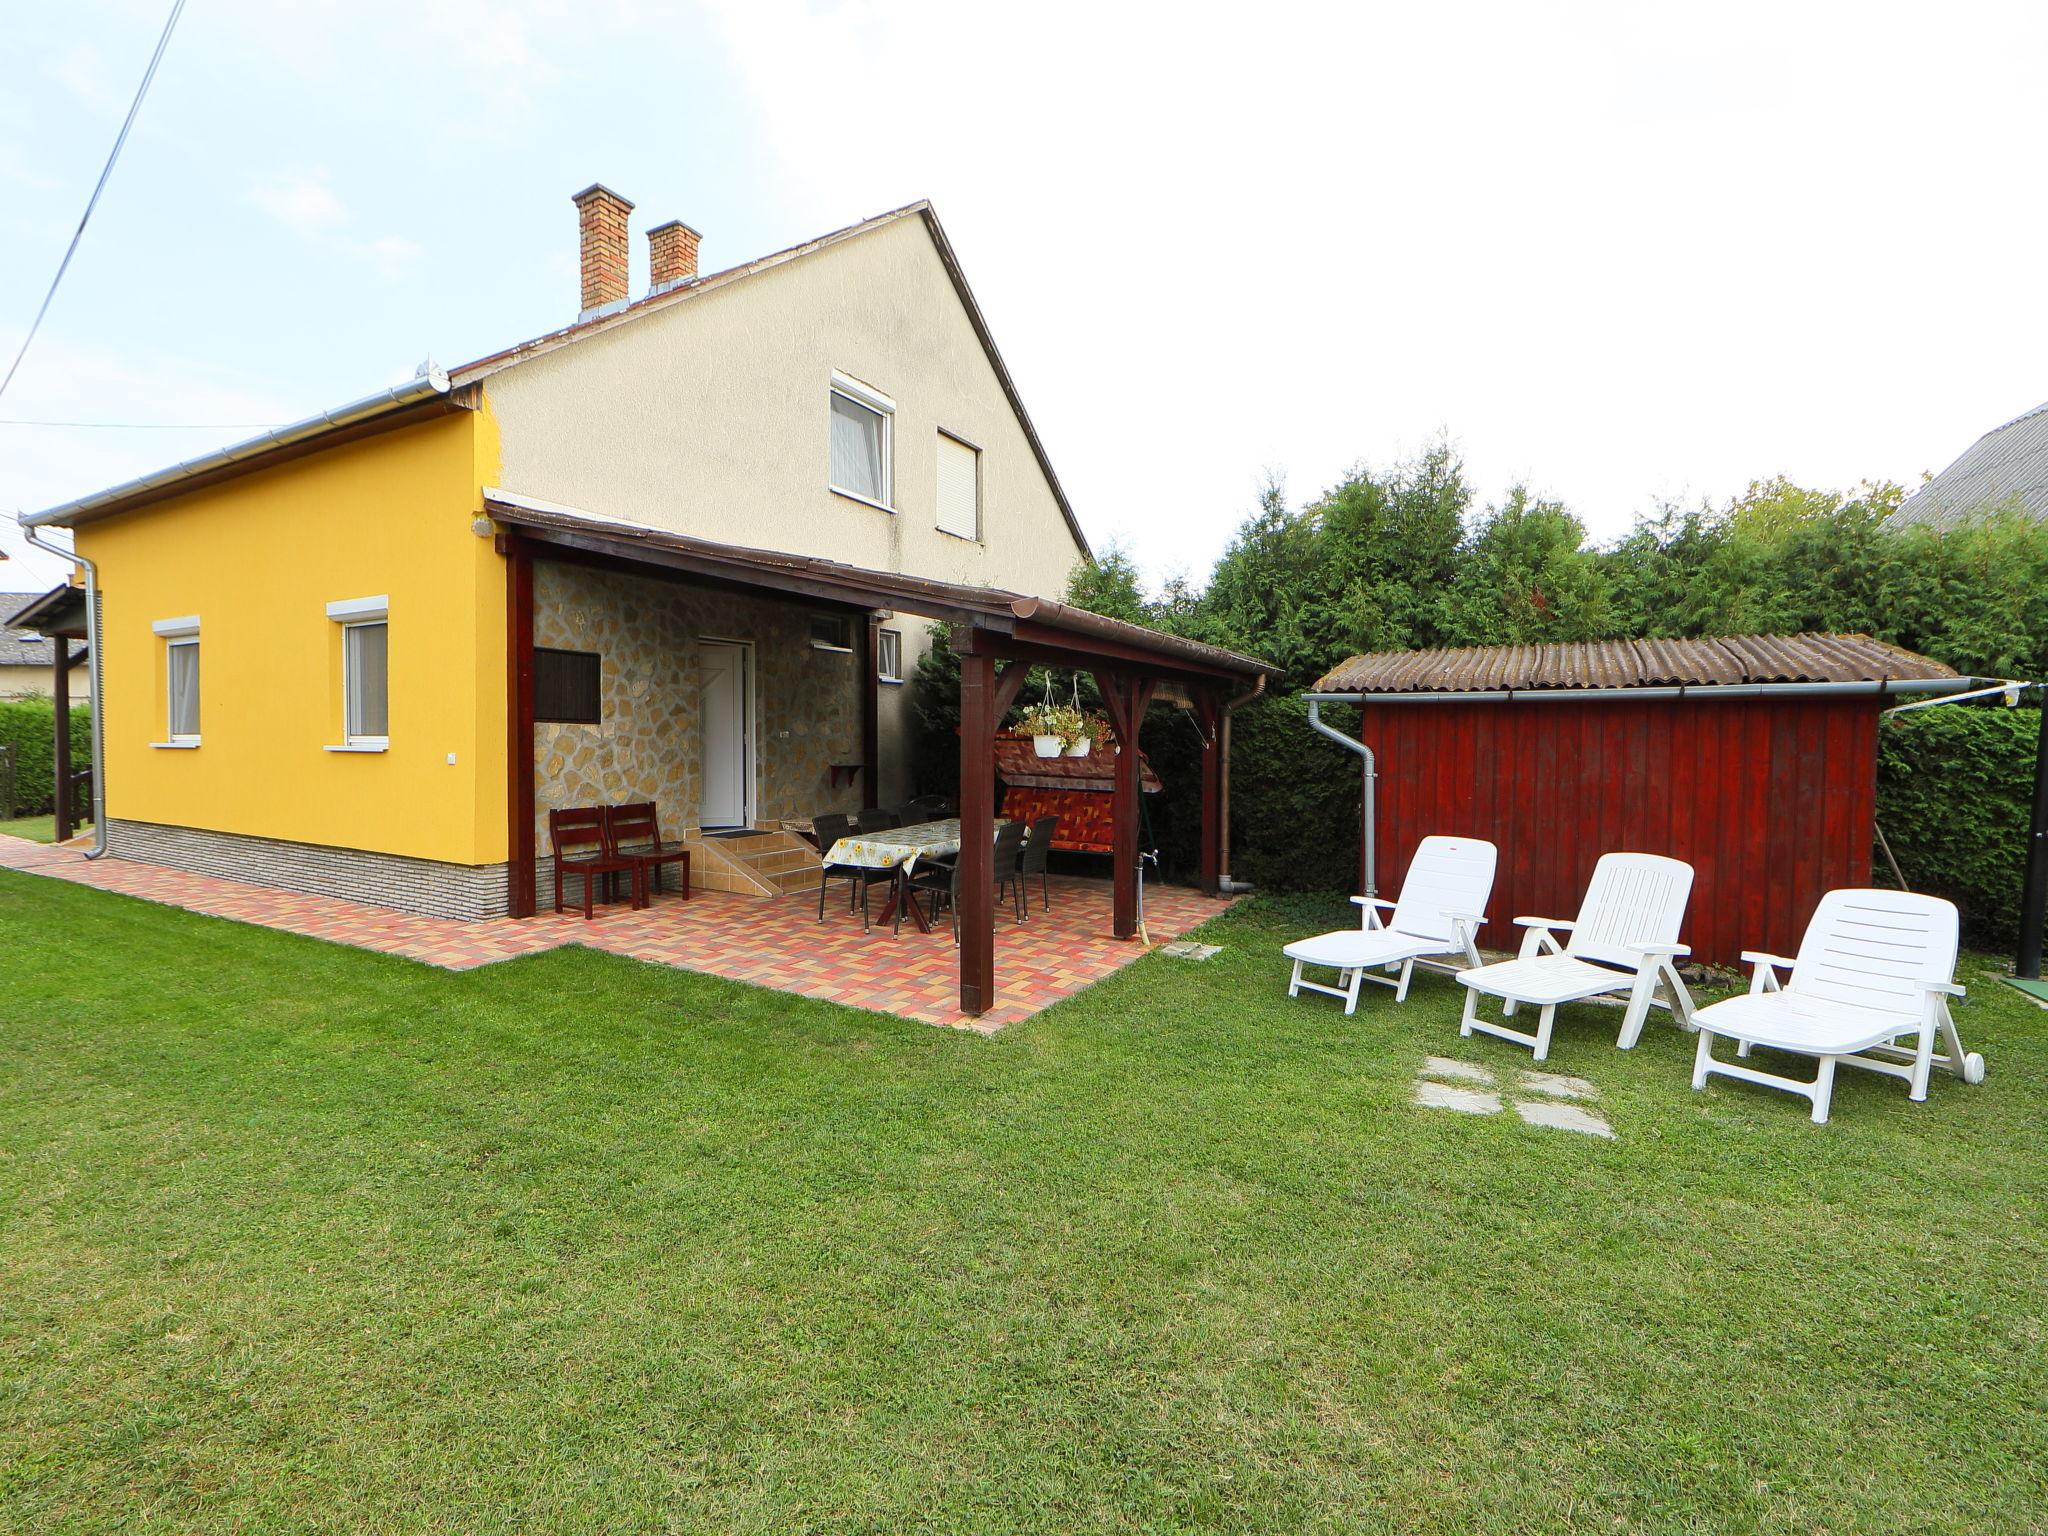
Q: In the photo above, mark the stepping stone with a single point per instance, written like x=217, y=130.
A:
x=1463, y=1071
x=1558, y=1086
x=1564, y=1117
x=1187, y=949
x=1467, y=1101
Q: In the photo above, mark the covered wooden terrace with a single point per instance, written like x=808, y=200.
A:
x=999, y=636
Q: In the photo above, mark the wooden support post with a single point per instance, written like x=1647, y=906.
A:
x=870, y=716
x=60, y=695
x=1209, y=720
x=519, y=722
x=1126, y=700
x=977, y=834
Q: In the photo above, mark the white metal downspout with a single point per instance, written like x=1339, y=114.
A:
x=1370, y=771
x=1225, y=881
x=92, y=663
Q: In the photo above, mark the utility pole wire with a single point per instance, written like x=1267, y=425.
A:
x=149, y=74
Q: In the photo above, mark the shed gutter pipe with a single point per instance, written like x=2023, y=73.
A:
x=2009, y=688
x=1369, y=770
x=1704, y=692
x=92, y=663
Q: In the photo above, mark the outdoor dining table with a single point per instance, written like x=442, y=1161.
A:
x=899, y=849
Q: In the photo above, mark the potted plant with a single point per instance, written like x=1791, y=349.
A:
x=1043, y=721
x=1091, y=729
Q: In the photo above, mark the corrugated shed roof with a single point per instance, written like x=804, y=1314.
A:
x=2006, y=467
x=1664, y=663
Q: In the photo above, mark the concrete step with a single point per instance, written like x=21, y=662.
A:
x=775, y=861
x=765, y=863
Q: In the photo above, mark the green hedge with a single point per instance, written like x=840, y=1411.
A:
x=30, y=725
x=1294, y=797
x=1954, y=793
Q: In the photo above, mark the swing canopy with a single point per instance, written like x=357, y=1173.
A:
x=1078, y=790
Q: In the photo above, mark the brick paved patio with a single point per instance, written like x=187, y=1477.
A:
x=774, y=943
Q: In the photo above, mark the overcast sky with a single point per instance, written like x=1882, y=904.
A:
x=1620, y=251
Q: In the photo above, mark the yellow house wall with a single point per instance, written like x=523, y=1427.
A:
x=258, y=559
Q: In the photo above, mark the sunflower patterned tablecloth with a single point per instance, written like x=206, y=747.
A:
x=898, y=846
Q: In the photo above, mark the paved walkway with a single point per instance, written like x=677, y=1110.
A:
x=775, y=943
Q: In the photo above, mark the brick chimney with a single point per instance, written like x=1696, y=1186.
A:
x=601, y=222
x=671, y=255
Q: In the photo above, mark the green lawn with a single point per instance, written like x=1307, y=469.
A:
x=37, y=829
x=303, y=1239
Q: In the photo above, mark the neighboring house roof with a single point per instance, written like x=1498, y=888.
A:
x=2005, y=468
x=433, y=392
x=20, y=647
x=1725, y=661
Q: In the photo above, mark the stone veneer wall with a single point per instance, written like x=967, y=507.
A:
x=424, y=886
x=647, y=746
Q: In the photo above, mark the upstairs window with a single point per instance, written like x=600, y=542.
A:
x=959, y=487
x=861, y=421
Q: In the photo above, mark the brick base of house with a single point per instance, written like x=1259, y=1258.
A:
x=422, y=886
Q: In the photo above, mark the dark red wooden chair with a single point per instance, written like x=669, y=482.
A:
x=582, y=846
x=636, y=834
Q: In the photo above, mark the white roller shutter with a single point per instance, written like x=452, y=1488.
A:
x=959, y=488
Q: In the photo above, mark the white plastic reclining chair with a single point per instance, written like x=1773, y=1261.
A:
x=1874, y=966
x=1442, y=906
x=1624, y=939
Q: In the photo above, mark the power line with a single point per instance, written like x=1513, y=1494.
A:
x=144, y=426
x=149, y=74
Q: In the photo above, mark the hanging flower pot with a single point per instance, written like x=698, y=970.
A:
x=1088, y=729
x=1047, y=725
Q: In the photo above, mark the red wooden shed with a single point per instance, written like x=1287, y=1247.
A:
x=1753, y=758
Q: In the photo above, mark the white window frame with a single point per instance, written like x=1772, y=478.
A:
x=874, y=400
x=882, y=639
x=354, y=613
x=975, y=448
x=176, y=633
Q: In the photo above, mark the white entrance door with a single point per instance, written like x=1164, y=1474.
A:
x=725, y=716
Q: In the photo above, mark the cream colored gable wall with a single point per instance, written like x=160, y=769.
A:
x=712, y=418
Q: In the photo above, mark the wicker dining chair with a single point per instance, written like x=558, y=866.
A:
x=1032, y=861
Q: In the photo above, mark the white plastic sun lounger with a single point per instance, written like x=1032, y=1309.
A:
x=1874, y=966
x=1442, y=907
x=1625, y=939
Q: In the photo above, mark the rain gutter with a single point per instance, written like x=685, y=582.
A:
x=1226, y=882
x=1705, y=693
x=427, y=386
x=1368, y=769
x=92, y=664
